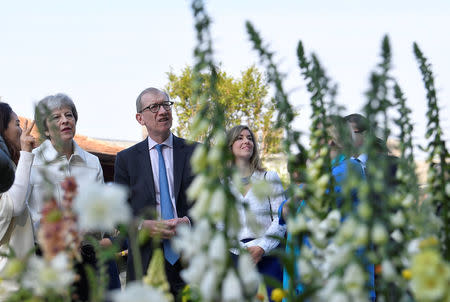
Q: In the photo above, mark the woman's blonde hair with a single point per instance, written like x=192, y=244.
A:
x=232, y=136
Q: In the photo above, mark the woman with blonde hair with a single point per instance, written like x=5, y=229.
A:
x=258, y=240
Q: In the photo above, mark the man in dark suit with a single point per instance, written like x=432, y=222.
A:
x=158, y=173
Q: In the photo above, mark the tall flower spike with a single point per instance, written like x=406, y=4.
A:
x=438, y=155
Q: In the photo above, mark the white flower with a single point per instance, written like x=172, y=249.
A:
x=397, y=236
x=231, y=288
x=413, y=246
x=198, y=158
x=41, y=276
x=196, y=186
x=334, y=220
x=379, y=234
x=189, y=241
x=305, y=269
x=138, y=292
x=208, y=285
x=215, y=156
x=354, y=279
x=364, y=210
x=339, y=297
x=398, y=219
x=328, y=291
x=218, y=202
x=361, y=235
x=346, y=231
x=201, y=205
x=408, y=201
x=248, y=273
x=217, y=251
x=197, y=267
x=297, y=224
x=387, y=270
x=338, y=256
x=101, y=207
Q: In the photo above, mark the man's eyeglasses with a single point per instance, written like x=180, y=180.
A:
x=155, y=107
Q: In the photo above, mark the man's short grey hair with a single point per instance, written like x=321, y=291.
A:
x=150, y=90
x=45, y=107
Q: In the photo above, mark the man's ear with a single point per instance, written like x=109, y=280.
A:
x=139, y=119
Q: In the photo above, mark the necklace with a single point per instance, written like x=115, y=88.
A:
x=245, y=180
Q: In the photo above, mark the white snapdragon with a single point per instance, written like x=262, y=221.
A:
x=218, y=203
x=197, y=185
x=333, y=220
x=408, y=201
x=190, y=241
x=217, y=251
x=55, y=275
x=379, y=234
x=138, y=292
x=248, y=273
x=364, y=210
x=387, y=270
x=231, y=288
x=102, y=207
x=397, y=236
x=197, y=267
x=306, y=270
x=215, y=156
x=208, y=283
x=201, y=205
x=398, y=219
x=297, y=224
x=361, y=235
x=198, y=159
x=353, y=279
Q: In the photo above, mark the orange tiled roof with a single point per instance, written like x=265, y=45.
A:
x=87, y=143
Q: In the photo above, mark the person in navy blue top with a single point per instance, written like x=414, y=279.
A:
x=341, y=167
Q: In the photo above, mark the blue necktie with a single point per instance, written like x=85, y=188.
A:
x=166, y=205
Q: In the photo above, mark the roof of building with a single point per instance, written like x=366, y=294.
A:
x=85, y=142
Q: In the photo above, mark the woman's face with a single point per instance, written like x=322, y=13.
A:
x=61, y=125
x=242, y=147
x=13, y=132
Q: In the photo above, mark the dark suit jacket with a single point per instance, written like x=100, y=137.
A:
x=133, y=169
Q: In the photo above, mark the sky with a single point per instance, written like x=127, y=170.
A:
x=102, y=53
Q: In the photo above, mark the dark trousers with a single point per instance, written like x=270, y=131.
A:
x=270, y=266
x=173, y=277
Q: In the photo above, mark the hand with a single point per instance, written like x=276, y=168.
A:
x=164, y=229
x=27, y=141
x=256, y=252
x=105, y=242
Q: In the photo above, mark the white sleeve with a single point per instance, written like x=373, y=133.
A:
x=18, y=191
x=6, y=211
x=275, y=229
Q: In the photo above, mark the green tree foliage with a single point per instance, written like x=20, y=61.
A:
x=244, y=100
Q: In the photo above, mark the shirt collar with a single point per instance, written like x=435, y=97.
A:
x=168, y=142
x=337, y=160
x=50, y=154
x=363, y=158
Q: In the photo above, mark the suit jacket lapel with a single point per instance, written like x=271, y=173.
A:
x=179, y=156
x=147, y=173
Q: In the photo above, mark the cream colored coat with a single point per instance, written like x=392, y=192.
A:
x=16, y=231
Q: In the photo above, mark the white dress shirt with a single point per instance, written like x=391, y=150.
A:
x=259, y=212
x=167, y=151
x=49, y=164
